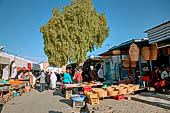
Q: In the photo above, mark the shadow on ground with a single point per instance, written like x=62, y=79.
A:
x=54, y=112
x=68, y=102
x=58, y=93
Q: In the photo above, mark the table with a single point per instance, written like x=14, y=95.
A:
x=69, y=87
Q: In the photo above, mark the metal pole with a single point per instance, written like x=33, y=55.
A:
x=140, y=69
x=151, y=65
x=121, y=66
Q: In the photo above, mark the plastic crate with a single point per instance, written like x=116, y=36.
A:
x=119, y=97
x=86, y=89
x=94, y=101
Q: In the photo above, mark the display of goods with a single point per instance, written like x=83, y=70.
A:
x=134, y=52
x=101, y=92
x=2, y=82
x=136, y=87
x=130, y=89
x=16, y=82
x=133, y=64
x=86, y=89
x=5, y=87
x=113, y=93
x=116, y=52
x=122, y=90
x=153, y=52
x=145, y=53
x=81, y=84
x=126, y=63
x=91, y=81
x=91, y=94
x=108, y=89
x=85, y=82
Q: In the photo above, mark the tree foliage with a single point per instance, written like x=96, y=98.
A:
x=73, y=32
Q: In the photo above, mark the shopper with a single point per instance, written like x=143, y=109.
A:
x=32, y=79
x=47, y=79
x=101, y=74
x=53, y=79
x=78, y=76
x=42, y=81
x=67, y=77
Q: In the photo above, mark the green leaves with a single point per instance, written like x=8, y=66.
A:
x=74, y=32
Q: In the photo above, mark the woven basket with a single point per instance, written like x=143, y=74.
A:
x=130, y=89
x=153, y=52
x=133, y=64
x=145, y=53
x=113, y=93
x=134, y=52
x=126, y=63
x=122, y=90
x=136, y=87
x=116, y=52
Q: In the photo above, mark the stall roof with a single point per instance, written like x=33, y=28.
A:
x=157, y=26
x=126, y=45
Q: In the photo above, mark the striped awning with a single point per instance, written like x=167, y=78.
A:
x=4, y=60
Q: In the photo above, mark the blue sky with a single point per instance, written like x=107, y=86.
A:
x=20, y=21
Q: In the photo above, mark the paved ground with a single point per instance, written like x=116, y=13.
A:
x=52, y=102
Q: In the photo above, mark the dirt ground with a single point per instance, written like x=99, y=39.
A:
x=53, y=102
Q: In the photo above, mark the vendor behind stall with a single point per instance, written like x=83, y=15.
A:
x=156, y=80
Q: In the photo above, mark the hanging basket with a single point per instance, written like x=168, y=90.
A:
x=153, y=52
x=134, y=52
x=145, y=53
x=116, y=52
x=133, y=64
x=126, y=63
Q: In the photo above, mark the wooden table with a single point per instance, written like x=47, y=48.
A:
x=69, y=88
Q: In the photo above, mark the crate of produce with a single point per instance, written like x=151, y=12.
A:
x=91, y=94
x=93, y=101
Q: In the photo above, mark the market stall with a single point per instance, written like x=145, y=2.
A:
x=70, y=87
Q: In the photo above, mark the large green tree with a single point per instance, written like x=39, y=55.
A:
x=73, y=32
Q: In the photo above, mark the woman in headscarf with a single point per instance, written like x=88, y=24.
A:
x=42, y=80
x=53, y=79
x=32, y=79
x=67, y=77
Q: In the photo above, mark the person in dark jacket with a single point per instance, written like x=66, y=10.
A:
x=47, y=80
x=87, y=78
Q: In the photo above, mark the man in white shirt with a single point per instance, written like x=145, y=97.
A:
x=101, y=74
x=165, y=74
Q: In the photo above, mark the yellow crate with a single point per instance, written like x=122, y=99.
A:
x=92, y=95
x=94, y=101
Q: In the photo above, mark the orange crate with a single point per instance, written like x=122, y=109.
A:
x=94, y=101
